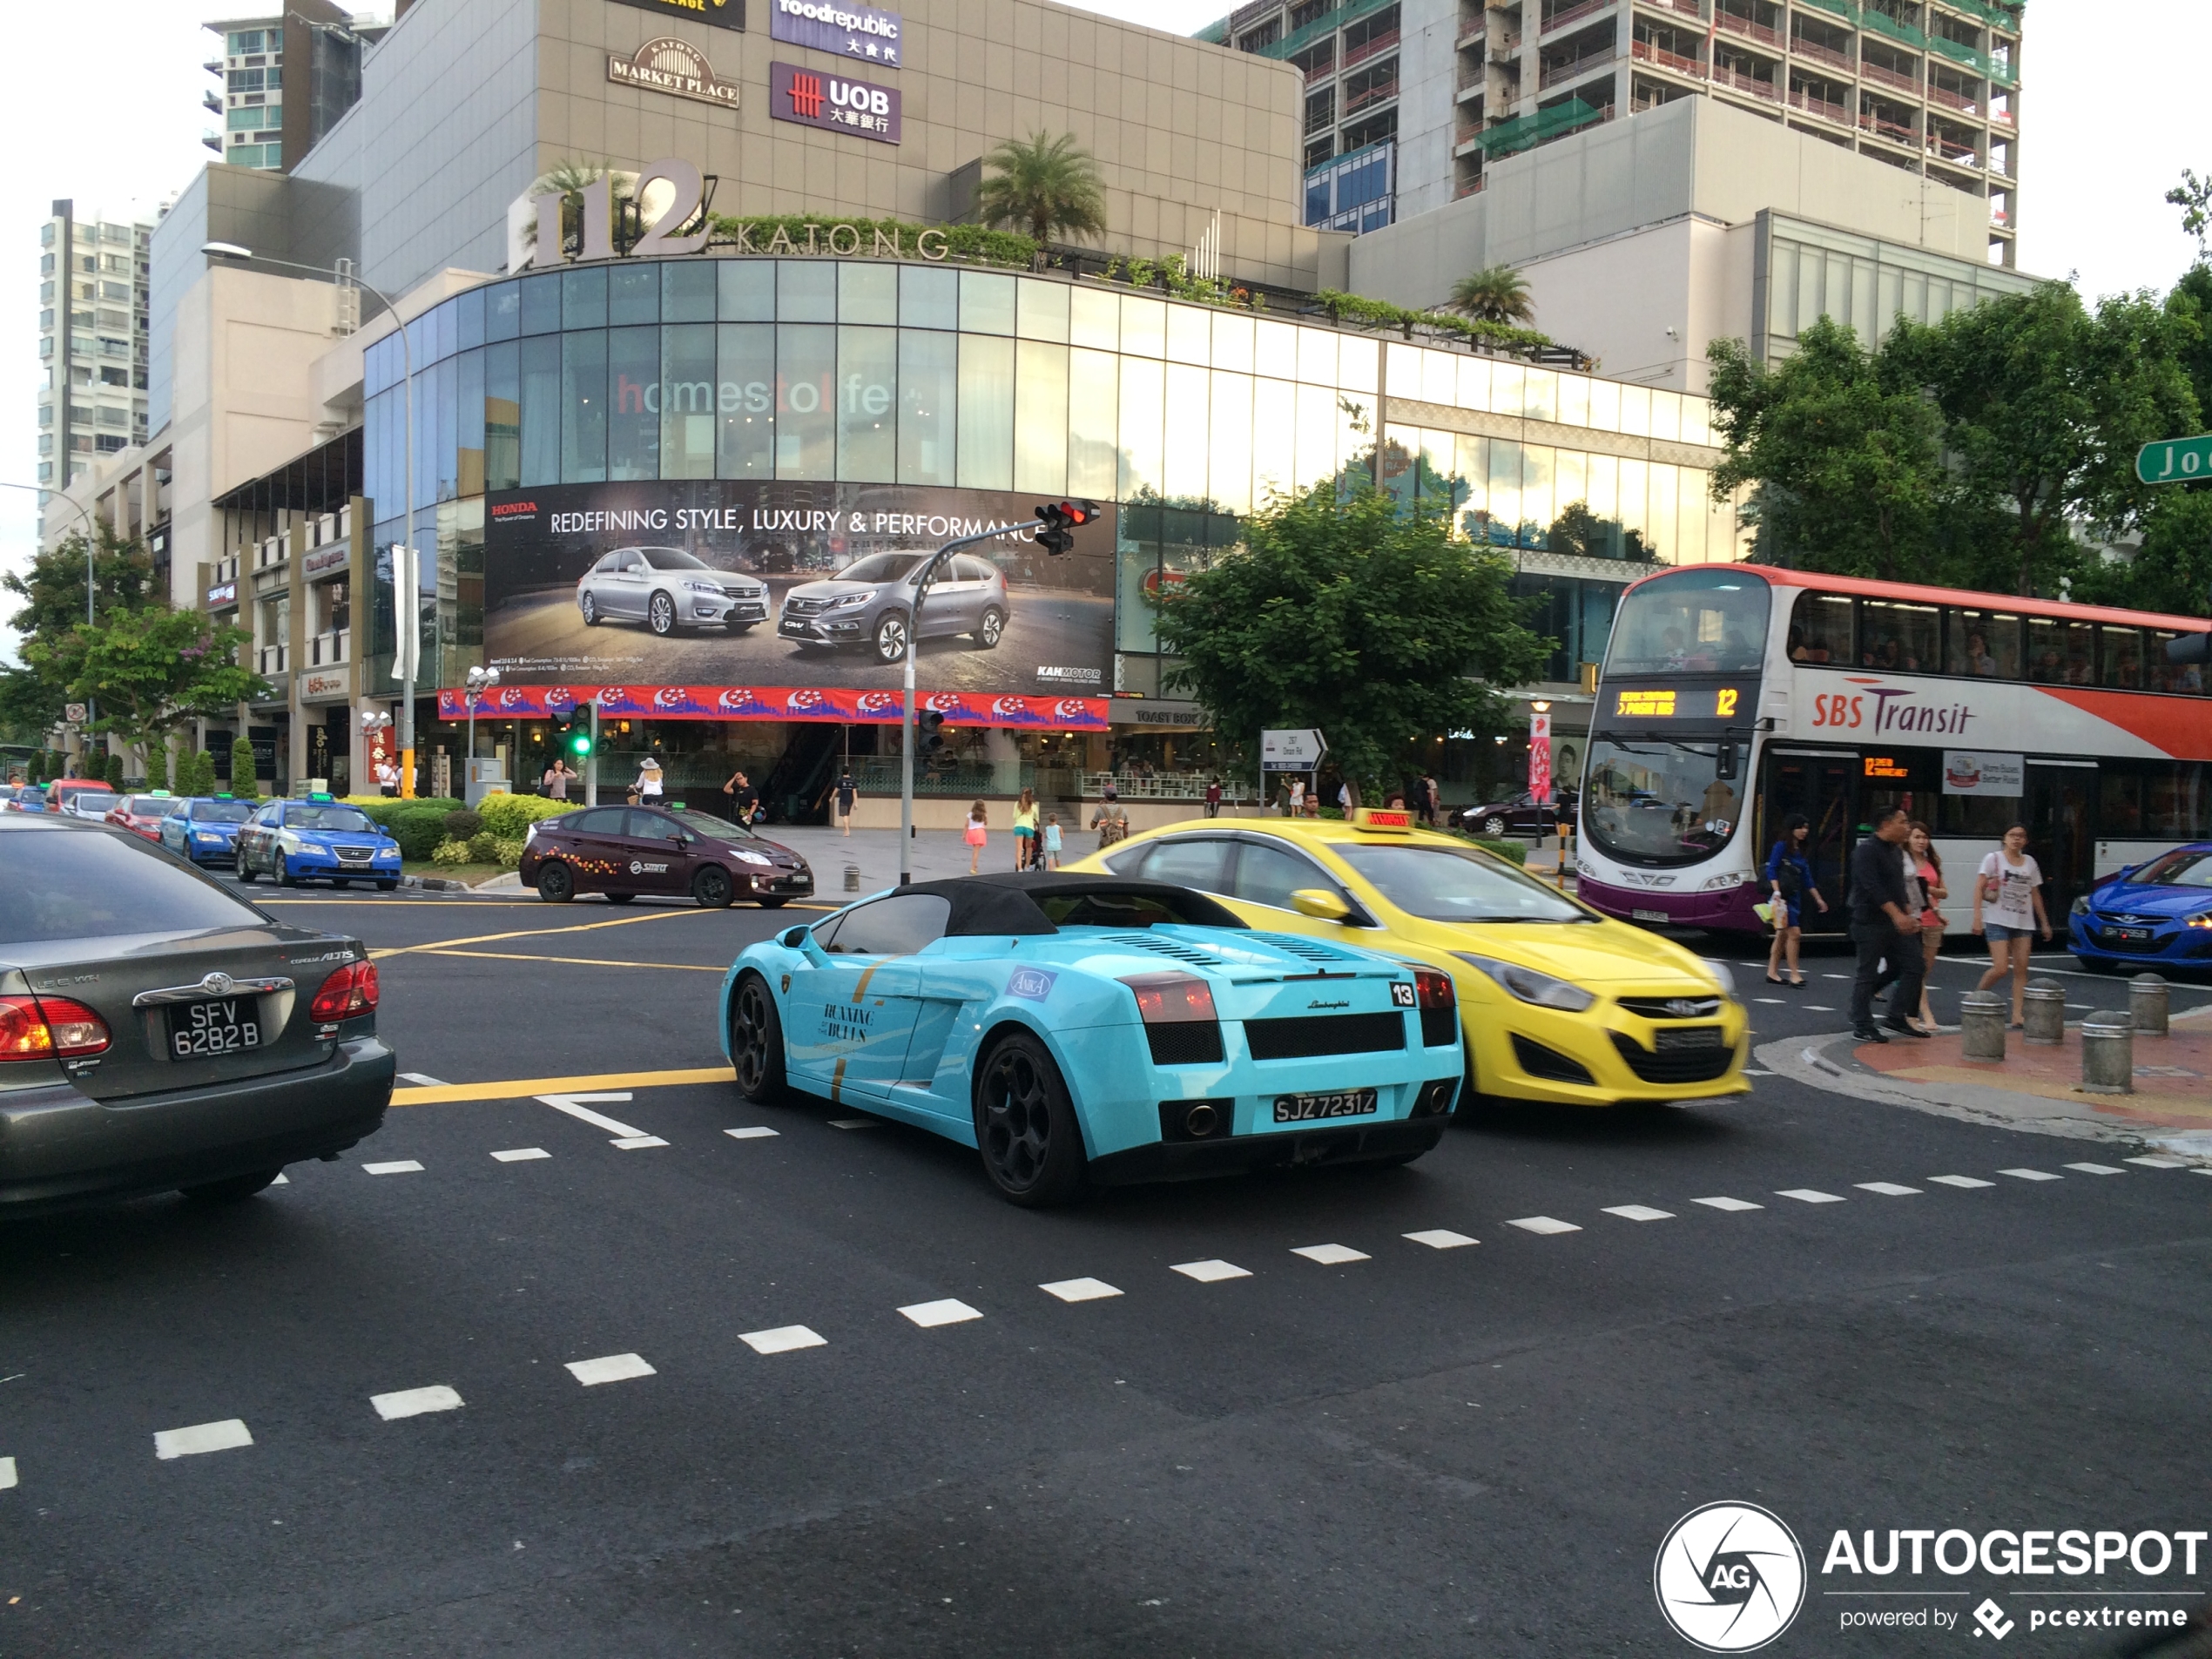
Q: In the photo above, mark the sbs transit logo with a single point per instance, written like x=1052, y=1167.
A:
x=1729, y=1577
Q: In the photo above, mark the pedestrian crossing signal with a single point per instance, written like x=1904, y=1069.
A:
x=1061, y=520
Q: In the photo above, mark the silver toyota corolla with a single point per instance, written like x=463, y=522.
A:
x=871, y=603
x=666, y=588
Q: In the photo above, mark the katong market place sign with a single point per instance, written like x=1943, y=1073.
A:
x=673, y=66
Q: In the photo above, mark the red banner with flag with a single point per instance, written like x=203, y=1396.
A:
x=778, y=702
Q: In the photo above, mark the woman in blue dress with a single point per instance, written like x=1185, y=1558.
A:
x=1789, y=883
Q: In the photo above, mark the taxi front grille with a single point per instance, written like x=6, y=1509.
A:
x=1305, y=1039
x=1673, y=1007
x=1675, y=1065
x=355, y=855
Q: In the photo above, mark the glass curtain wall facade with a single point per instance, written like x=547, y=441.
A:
x=878, y=371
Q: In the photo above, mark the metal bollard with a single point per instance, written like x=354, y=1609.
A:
x=1981, y=1025
x=2108, y=1053
x=852, y=878
x=2146, y=1001
x=2043, y=1011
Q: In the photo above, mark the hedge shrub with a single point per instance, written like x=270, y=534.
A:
x=462, y=824
x=418, y=829
x=509, y=816
x=1511, y=852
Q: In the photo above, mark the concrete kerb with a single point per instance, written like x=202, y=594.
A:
x=1828, y=1063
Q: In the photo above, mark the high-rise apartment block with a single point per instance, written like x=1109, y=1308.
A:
x=1408, y=101
x=283, y=81
x=92, y=340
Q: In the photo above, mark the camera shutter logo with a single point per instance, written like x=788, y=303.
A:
x=1729, y=1577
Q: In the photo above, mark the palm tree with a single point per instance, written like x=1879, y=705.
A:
x=1495, y=293
x=1042, y=185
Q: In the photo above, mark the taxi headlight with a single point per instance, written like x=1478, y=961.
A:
x=1526, y=983
x=2201, y=919
x=2081, y=905
x=1722, y=972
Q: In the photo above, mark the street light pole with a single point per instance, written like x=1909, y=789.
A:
x=907, y=720
x=406, y=565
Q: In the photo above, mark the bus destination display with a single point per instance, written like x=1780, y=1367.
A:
x=1677, y=702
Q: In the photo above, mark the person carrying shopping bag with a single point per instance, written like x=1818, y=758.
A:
x=2008, y=913
x=1789, y=880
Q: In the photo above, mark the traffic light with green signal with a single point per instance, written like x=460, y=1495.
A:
x=575, y=736
x=1062, y=519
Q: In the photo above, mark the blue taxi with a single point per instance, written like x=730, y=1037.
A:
x=204, y=828
x=316, y=840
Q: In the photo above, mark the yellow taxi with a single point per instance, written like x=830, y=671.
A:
x=1558, y=1003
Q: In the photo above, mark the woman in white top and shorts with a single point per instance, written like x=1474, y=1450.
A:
x=2008, y=913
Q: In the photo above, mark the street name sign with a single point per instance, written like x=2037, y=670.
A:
x=1290, y=751
x=2174, y=461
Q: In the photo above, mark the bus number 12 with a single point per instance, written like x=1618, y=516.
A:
x=1725, y=706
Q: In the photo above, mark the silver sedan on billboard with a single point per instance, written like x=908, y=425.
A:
x=666, y=588
x=871, y=604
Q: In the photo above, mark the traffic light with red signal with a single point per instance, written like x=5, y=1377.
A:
x=1062, y=519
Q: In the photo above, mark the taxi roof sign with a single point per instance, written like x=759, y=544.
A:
x=1393, y=820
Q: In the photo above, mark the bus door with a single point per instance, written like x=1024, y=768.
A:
x=1818, y=783
x=2061, y=815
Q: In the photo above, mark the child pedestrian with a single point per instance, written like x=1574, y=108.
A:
x=978, y=832
x=1025, y=831
x=1052, y=840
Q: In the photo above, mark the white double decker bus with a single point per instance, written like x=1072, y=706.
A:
x=1735, y=695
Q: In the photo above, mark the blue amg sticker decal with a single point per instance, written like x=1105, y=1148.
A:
x=1031, y=983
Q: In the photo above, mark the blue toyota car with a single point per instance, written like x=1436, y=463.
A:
x=2157, y=914
x=1092, y=1028
x=317, y=839
x=204, y=828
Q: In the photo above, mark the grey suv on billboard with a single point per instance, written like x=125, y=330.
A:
x=871, y=603
x=666, y=588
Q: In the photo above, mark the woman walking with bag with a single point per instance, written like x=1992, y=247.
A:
x=1788, y=878
x=2009, y=887
x=1927, y=863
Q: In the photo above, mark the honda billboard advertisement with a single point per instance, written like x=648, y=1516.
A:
x=722, y=585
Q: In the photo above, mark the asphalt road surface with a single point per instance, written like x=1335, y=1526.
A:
x=543, y=637
x=660, y=1372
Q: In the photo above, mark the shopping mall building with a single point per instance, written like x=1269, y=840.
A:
x=776, y=405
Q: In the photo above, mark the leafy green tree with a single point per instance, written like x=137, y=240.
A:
x=149, y=672
x=203, y=779
x=1349, y=613
x=51, y=593
x=114, y=772
x=246, y=782
x=2044, y=404
x=1042, y=185
x=2193, y=196
x=1495, y=293
x=1846, y=466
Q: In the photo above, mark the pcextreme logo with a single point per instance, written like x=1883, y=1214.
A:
x=1729, y=1577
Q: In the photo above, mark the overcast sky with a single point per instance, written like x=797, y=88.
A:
x=2106, y=111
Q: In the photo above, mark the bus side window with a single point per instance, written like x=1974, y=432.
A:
x=1982, y=644
x=1820, y=630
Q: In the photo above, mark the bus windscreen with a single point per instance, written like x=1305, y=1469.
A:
x=1658, y=800
x=1710, y=620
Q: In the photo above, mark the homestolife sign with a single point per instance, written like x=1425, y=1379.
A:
x=817, y=98
x=850, y=31
x=673, y=66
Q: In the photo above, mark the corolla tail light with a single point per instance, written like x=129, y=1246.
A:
x=1181, y=1024
x=346, y=995
x=52, y=1028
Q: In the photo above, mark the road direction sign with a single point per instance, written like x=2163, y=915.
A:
x=2174, y=461
x=1290, y=751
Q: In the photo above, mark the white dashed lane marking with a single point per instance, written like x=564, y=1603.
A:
x=2157, y=1163
x=7, y=1472
x=1727, y=1204
x=522, y=1154
x=1888, y=1189
x=2096, y=1169
x=755, y=1132
x=1544, y=1224
x=1330, y=1255
x=1639, y=1212
x=632, y=1143
x=626, y=1136
x=415, y=1402
x=422, y=1079
x=785, y=1339
x=2031, y=1175
x=225, y=1436
x=1960, y=1181
x=1079, y=1290
x=613, y=1368
x=1442, y=1239
x=928, y=1315
x=401, y=1166
x=1819, y=1007
x=1809, y=1195
x=1209, y=1272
